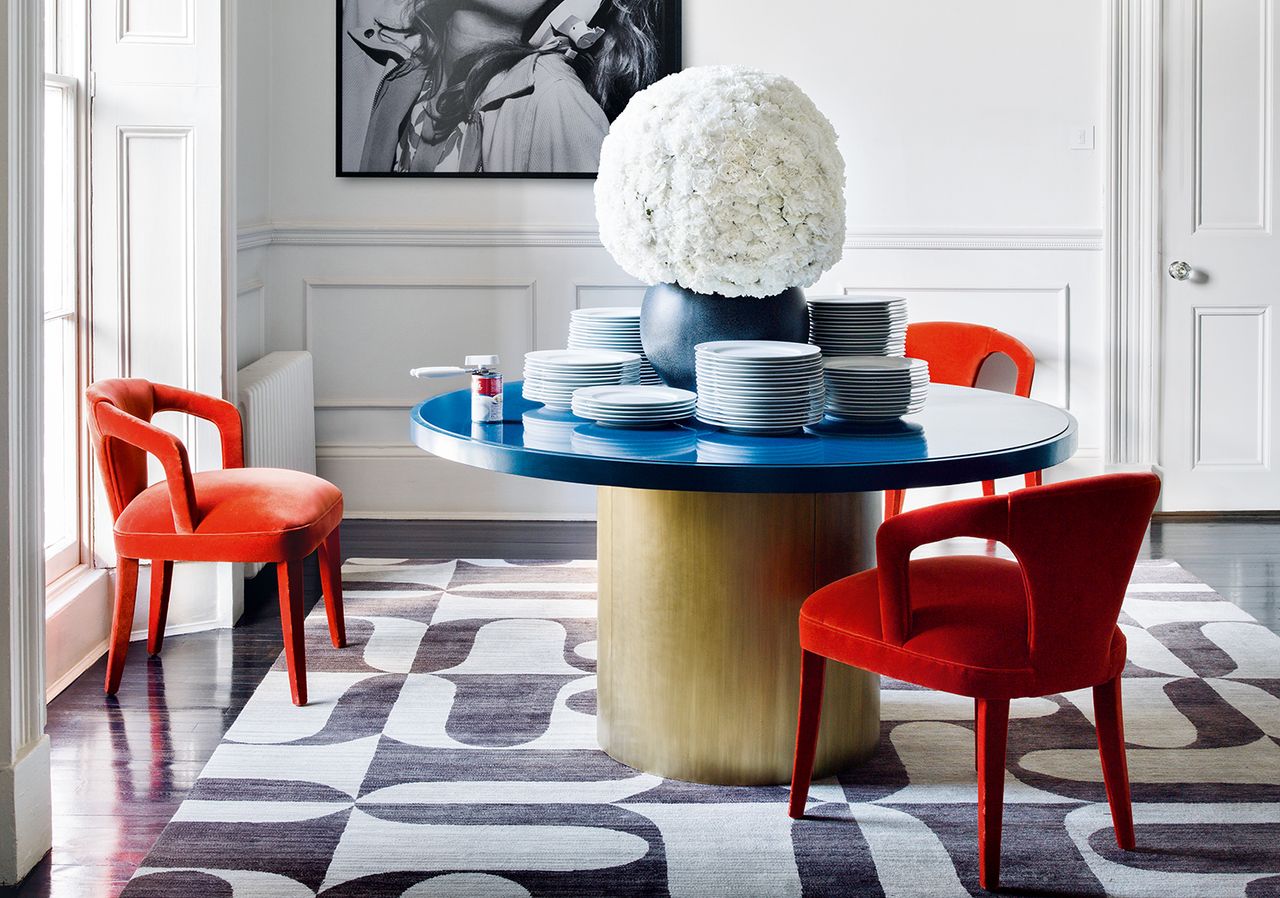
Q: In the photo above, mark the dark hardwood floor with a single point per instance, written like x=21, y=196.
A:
x=122, y=766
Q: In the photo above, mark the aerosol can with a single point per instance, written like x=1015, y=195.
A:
x=486, y=385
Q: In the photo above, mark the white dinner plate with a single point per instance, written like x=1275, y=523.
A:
x=580, y=357
x=856, y=300
x=755, y=350
x=608, y=312
x=875, y=362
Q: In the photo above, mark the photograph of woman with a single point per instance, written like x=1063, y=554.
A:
x=492, y=87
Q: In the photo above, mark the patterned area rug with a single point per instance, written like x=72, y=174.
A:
x=450, y=751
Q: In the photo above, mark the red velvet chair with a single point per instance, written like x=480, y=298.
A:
x=235, y=514
x=991, y=628
x=956, y=352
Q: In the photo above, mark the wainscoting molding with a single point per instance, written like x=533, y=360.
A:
x=251, y=321
x=370, y=301
x=351, y=316
x=382, y=235
x=1056, y=297
x=587, y=296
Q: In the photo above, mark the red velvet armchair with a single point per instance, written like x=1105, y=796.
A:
x=956, y=352
x=991, y=628
x=235, y=514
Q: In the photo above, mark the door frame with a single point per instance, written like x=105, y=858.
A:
x=25, y=803
x=1132, y=236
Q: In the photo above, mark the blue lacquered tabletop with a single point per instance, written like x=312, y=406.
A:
x=961, y=436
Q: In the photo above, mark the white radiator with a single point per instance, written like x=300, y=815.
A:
x=277, y=406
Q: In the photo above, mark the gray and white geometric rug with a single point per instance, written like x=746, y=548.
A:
x=450, y=751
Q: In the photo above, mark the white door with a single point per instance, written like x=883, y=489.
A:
x=1221, y=382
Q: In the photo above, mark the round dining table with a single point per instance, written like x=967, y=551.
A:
x=709, y=542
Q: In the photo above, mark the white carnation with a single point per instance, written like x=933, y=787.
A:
x=722, y=179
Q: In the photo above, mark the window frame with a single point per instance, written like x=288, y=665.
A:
x=71, y=76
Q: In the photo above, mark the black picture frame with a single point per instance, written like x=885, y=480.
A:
x=670, y=37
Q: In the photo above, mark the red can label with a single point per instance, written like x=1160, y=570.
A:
x=486, y=398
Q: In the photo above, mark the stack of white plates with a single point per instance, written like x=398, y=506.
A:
x=759, y=386
x=858, y=325
x=634, y=406
x=611, y=329
x=551, y=375
x=875, y=388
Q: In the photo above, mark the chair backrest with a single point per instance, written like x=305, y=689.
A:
x=956, y=351
x=123, y=466
x=1077, y=542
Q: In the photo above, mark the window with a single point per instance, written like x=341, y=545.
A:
x=63, y=221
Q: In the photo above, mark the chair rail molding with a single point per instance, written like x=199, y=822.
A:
x=25, y=804
x=1134, y=288
x=315, y=233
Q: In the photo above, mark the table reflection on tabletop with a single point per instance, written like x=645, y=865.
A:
x=831, y=441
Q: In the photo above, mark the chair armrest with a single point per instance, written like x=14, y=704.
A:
x=986, y=518
x=167, y=449
x=224, y=415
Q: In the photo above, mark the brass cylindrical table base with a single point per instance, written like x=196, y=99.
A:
x=699, y=654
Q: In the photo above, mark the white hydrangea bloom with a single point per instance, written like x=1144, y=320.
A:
x=722, y=179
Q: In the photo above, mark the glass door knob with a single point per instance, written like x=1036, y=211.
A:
x=1180, y=271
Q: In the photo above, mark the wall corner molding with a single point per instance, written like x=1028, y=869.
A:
x=254, y=236
x=1134, y=286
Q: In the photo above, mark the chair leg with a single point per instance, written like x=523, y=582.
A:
x=893, y=501
x=993, y=730
x=161, y=583
x=331, y=583
x=289, y=578
x=121, y=621
x=812, y=676
x=1109, y=714
x=1035, y=478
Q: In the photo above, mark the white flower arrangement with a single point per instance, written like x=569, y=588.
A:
x=724, y=180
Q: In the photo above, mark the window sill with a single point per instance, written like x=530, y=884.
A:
x=72, y=586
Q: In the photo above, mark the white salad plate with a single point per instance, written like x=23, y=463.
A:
x=636, y=406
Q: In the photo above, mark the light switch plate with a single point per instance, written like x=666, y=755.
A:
x=1080, y=137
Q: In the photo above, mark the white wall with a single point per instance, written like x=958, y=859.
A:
x=253, y=175
x=963, y=195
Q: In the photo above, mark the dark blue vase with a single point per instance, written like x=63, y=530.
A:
x=673, y=320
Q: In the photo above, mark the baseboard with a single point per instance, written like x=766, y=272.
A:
x=469, y=538
x=200, y=626
x=1218, y=517
x=447, y=517
x=72, y=674
x=26, y=815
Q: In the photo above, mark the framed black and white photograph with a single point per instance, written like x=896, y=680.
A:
x=492, y=88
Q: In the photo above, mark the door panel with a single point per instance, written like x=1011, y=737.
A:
x=1220, y=387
